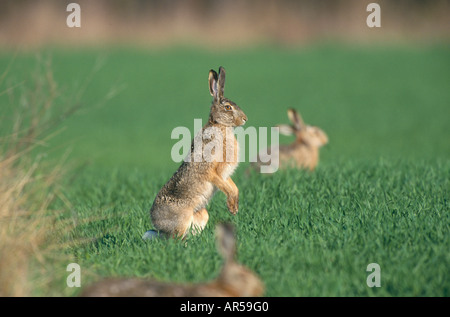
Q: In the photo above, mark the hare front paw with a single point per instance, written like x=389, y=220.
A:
x=233, y=205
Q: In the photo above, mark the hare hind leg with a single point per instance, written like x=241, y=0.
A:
x=171, y=222
x=199, y=220
x=180, y=222
x=192, y=222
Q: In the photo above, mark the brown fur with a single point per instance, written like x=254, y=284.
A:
x=180, y=204
x=303, y=153
x=234, y=279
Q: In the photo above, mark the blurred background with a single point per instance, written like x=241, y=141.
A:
x=219, y=23
x=368, y=88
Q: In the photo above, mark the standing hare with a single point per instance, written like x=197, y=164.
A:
x=180, y=204
x=233, y=281
x=304, y=151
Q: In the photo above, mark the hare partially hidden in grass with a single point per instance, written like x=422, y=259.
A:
x=180, y=204
x=234, y=280
x=303, y=153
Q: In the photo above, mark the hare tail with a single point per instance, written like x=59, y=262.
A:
x=151, y=234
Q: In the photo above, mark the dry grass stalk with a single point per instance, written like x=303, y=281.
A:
x=27, y=188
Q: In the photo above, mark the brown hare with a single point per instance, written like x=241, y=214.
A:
x=304, y=151
x=180, y=204
x=234, y=280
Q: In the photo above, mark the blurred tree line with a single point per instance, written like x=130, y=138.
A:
x=284, y=21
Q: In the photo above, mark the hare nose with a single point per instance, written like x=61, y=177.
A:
x=244, y=119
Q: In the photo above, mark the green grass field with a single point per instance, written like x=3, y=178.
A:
x=379, y=195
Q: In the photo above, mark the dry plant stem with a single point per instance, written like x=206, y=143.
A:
x=28, y=186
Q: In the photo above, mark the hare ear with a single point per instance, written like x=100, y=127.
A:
x=226, y=241
x=212, y=80
x=296, y=119
x=286, y=129
x=221, y=82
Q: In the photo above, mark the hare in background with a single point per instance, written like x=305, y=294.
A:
x=180, y=204
x=304, y=151
x=234, y=280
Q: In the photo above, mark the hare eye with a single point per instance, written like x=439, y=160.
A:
x=228, y=107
